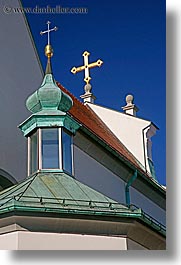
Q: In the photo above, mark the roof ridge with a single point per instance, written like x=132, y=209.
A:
x=69, y=93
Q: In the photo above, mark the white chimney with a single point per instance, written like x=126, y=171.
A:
x=88, y=96
x=130, y=108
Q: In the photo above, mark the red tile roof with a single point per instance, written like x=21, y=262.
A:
x=86, y=116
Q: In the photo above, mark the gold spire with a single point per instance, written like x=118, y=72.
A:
x=48, y=47
x=86, y=67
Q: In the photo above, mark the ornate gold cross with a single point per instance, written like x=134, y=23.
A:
x=86, y=67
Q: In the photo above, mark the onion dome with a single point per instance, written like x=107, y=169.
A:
x=49, y=96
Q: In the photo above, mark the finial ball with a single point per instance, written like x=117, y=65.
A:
x=87, y=88
x=48, y=51
x=129, y=99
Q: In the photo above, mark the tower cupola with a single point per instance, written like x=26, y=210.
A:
x=50, y=128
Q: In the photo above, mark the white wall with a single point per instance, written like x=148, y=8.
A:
x=54, y=241
x=95, y=175
x=20, y=75
x=128, y=130
x=147, y=205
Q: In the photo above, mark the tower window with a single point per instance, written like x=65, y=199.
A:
x=67, y=151
x=50, y=148
x=34, y=152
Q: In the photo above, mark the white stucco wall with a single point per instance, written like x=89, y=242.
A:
x=20, y=75
x=95, y=175
x=128, y=130
x=148, y=206
x=54, y=241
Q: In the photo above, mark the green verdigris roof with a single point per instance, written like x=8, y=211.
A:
x=59, y=193
x=52, y=188
x=49, y=97
x=49, y=105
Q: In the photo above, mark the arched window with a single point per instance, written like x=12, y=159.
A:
x=6, y=180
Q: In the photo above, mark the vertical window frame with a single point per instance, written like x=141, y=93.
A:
x=39, y=149
x=30, y=150
x=60, y=149
x=71, y=150
x=29, y=156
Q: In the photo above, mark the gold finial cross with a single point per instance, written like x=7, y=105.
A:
x=48, y=31
x=86, y=67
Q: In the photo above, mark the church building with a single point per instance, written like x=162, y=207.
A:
x=89, y=185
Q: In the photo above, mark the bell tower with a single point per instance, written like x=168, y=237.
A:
x=50, y=128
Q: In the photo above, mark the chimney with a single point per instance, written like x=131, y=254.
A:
x=130, y=108
x=88, y=96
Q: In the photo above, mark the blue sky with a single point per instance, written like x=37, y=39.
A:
x=129, y=36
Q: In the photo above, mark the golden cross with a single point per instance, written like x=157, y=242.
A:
x=86, y=67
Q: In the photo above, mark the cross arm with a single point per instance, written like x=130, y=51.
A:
x=49, y=30
x=98, y=63
x=75, y=70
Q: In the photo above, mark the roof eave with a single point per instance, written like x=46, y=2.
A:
x=136, y=215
